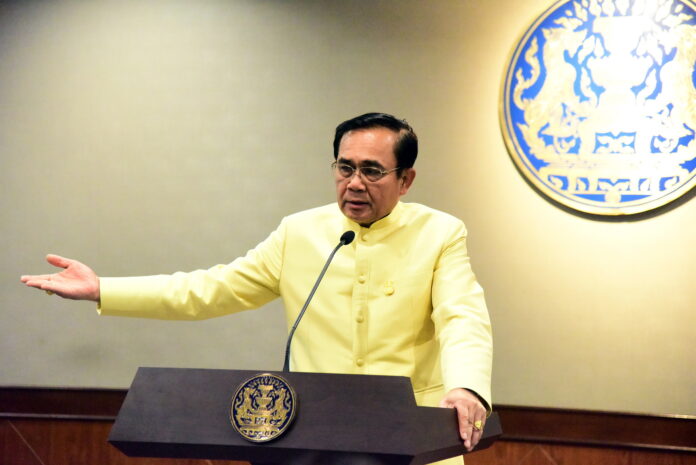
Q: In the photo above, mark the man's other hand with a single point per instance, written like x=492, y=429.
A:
x=77, y=281
x=470, y=410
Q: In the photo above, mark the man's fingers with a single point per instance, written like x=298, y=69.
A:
x=471, y=414
x=471, y=422
x=32, y=282
x=475, y=438
x=77, y=281
x=465, y=425
x=27, y=278
x=57, y=260
x=35, y=281
x=44, y=283
x=479, y=424
x=52, y=288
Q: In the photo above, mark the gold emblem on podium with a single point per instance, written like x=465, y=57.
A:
x=263, y=407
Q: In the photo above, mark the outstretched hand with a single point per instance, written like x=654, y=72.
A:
x=77, y=281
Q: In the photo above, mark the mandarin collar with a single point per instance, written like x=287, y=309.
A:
x=385, y=224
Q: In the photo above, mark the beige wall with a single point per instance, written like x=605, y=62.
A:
x=148, y=137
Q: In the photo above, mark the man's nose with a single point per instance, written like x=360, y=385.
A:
x=355, y=183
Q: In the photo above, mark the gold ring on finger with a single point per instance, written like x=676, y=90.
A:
x=478, y=424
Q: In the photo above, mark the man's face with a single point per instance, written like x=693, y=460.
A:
x=363, y=201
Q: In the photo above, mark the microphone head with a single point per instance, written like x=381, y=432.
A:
x=347, y=237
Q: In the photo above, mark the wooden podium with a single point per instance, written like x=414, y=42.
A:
x=341, y=419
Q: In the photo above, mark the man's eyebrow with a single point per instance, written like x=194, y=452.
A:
x=344, y=161
x=372, y=163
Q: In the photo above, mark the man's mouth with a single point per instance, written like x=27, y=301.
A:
x=356, y=203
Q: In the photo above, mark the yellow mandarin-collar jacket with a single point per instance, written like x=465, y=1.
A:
x=401, y=299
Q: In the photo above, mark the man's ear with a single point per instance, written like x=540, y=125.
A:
x=406, y=180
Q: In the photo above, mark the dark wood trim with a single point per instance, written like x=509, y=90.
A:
x=598, y=428
x=60, y=403
x=527, y=424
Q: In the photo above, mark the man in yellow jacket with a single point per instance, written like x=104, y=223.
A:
x=401, y=299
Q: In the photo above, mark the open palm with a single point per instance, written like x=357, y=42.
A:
x=77, y=280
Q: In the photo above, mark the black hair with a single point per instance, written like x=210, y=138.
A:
x=406, y=146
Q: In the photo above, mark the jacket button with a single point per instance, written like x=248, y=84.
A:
x=359, y=318
x=389, y=290
x=360, y=362
x=362, y=279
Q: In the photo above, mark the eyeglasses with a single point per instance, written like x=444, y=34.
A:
x=369, y=173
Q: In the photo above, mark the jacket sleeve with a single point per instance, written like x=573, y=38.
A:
x=461, y=322
x=248, y=282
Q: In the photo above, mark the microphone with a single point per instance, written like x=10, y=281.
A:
x=346, y=238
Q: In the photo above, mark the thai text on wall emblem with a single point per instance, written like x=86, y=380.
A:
x=263, y=407
x=598, y=107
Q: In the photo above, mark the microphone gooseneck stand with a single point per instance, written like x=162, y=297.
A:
x=346, y=238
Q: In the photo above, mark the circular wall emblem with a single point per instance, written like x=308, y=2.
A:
x=598, y=107
x=263, y=407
